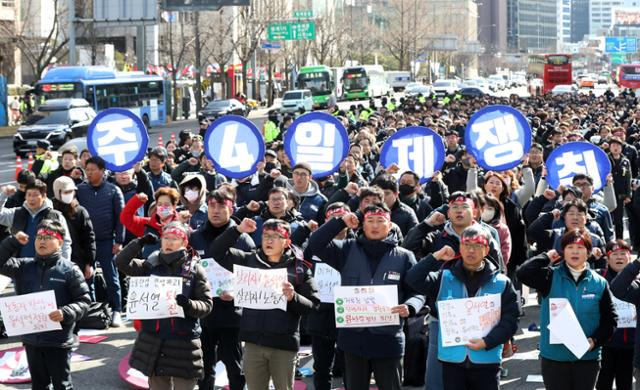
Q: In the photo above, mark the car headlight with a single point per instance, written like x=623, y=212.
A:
x=54, y=133
x=18, y=136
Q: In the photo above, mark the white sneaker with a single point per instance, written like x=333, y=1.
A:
x=116, y=320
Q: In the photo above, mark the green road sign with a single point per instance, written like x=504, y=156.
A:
x=303, y=14
x=291, y=31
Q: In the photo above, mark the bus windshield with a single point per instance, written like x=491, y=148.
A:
x=317, y=82
x=355, y=80
x=557, y=60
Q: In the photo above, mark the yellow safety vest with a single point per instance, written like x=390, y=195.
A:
x=271, y=131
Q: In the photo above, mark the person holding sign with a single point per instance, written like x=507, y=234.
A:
x=372, y=259
x=168, y=350
x=617, y=353
x=271, y=336
x=626, y=287
x=220, y=329
x=470, y=352
x=48, y=353
x=576, y=295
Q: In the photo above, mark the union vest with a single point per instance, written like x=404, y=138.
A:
x=584, y=298
x=452, y=288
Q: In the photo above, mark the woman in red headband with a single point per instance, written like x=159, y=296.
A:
x=168, y=350
x=565, y=285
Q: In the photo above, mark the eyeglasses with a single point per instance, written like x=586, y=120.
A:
x=457, y=207
x=301, y=174
x=271, y=237
x=471, y=246
x=45, y=237
x=582, y=184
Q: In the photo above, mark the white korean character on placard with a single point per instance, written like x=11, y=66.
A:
x=421, y=155
x=316, y=144
x=571, y=166
x=234, y=153
x=502, y=134
x=115, y=131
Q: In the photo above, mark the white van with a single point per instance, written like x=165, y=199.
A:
x=293, y=100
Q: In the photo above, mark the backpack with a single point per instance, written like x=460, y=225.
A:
x=98, y=316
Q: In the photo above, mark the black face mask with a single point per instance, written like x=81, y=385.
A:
x=173, y=257
x=406, y=189
x=268, y=167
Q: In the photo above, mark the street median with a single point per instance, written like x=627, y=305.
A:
x=7, y=131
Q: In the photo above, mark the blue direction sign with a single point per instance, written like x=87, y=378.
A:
x=620, y=45
x=271, y=45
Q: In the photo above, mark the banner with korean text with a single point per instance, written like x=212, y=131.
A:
x=467, y=318
x=365, y=306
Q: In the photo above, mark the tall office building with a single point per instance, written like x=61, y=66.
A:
x=532, y=25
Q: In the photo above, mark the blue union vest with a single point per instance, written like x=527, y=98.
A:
x=452, y=288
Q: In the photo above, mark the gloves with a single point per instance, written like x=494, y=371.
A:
x=148, y=239
x=182, y=300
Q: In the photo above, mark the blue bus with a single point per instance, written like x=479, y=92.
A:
x=103, y=88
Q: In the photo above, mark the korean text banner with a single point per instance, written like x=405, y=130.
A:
x=572, y=158
x=119, y=137
x=235, y=146
x=319, y=139
x=415, y=148
x=498, y=137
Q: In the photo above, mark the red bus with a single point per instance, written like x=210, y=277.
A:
x=553, y=69
x=628, y=76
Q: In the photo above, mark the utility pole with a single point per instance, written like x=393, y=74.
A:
x=198, y=59
x=71, y=5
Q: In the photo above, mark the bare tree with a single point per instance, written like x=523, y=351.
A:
x=327, y=34
x=175, y=61
x=218, y=42
x=251, y=26
x=402, y=30
x=39, y=50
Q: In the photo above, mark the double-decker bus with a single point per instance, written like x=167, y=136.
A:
x=628, y=76
x=553, y=69
x=319, y=80
x=103, y=88
x=365, y=81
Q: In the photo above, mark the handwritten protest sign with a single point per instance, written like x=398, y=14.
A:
x=259, y=289
x=220, y=279
x=327, y=278
x=365, y=306
x=467, y=318
x=4, y=282
x=626, y=313
x=29, y=313
x=154, y=297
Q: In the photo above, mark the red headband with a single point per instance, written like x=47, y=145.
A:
x=475, y=240
x=47, y=232
x=336, y=212
x=463, y=199
x=278, y=229
x=380, y=213
x=176, y=231
x=617, y=248
x=578, y=241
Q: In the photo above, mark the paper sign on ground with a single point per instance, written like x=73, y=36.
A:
x=153, y=297
x=566, y=328
x=468, y=318
x=4, y=282
x=626, y=313
x=220, y=278
x=29, y=313
x=556, y=305
x=259, y=289
x=327, y=278
x=365, y=306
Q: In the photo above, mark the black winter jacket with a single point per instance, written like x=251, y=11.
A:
x=83, y=240
x=48, y=273
x=270, y=328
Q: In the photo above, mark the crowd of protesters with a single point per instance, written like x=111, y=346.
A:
x=466, y=232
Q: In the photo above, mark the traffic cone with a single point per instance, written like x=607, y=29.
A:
x=18, y=165
x=160, y=142
x=173, y=137
x=30, y=162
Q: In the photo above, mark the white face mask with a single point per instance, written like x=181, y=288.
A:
x=66, y=198
x=191, y=195
x=488, y=214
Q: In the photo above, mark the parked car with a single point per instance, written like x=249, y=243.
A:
x=444, y=87
x=57, y=121
x=295, y=99
x=217, y=108
x=562, y=89
x=417, y=89
x=472, y=92
x=499, y=80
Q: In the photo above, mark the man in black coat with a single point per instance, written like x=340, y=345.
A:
x=220, y=329
x=48, y=353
